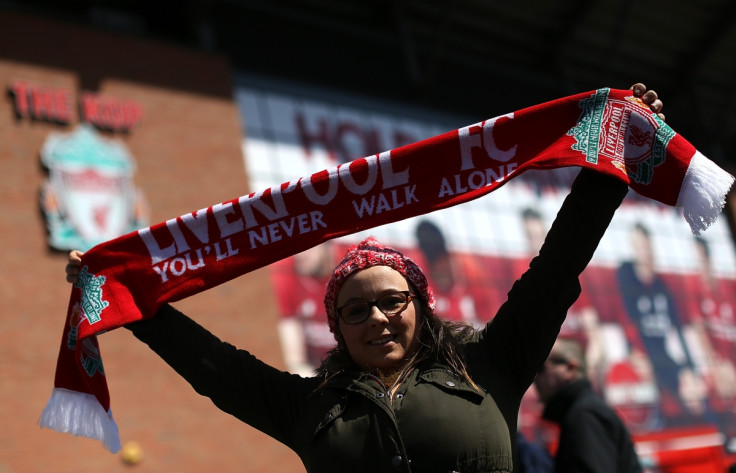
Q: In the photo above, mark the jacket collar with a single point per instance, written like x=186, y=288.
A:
x=428, y=370
x=561, y=401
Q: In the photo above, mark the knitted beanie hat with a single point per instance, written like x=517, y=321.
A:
x=369, y=253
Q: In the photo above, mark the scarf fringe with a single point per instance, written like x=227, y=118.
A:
x=703, y=192
x=82, y=415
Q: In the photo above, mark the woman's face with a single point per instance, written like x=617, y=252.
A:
x=380, y=342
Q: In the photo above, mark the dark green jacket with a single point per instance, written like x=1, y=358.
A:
x=436, y=421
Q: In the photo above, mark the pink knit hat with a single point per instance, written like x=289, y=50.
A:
x=369, y=253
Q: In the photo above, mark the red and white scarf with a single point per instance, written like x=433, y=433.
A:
x=129, y=278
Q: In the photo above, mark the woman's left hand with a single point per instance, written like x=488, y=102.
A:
x=649, y=97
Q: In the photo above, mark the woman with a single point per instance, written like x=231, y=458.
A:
x=403, y=390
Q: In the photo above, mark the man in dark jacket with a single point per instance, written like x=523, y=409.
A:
x=592, y=437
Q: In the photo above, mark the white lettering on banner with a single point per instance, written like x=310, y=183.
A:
x=196, y=222
x=302, y=223
x=229, y=219
x=390, y=177
x=180, y=264
x=227, y=226
x=614, y=145
x=470, y=138
x=224, y=215
x=180, y=244
x=179, y=241
x=313, y=195
x=290, y=186
x=359, y=189
x=385, y=201
x=248, y=203
x=157, y=253
x=218, y=252
x=475, y=180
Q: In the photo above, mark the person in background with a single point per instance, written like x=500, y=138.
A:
x=533, y=458
x=592, y=436
x=457, y=282
x=712, y=316
x=299, y=282
x=651, y=308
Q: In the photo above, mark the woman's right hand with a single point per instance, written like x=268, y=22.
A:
x=73, y=266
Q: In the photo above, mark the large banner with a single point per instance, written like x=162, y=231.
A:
x=658, y=310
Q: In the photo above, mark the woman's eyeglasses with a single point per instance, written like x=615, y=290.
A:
x=357, y=312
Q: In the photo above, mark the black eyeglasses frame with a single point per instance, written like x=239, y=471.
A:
x=374, y=303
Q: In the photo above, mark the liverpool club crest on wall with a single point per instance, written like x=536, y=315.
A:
x=89, y=195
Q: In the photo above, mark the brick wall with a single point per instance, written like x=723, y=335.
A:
x=188, y=155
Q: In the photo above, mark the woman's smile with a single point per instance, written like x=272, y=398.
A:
x=384, y=340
